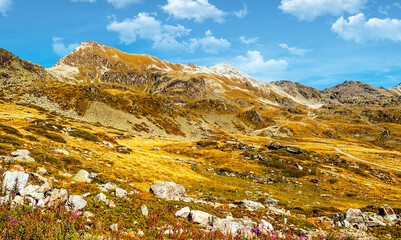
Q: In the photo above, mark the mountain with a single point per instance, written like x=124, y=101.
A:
x=397, y=88
x=16, y=73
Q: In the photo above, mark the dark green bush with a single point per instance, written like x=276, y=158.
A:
x=84, y=135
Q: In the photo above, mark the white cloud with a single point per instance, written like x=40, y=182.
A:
x=357, y=28
x=294, y=50
x=248, y=41
x=122, y=3
x=310, y=9
x=4, y=6
x=199, y=10
x=254, y=63
x=164, y=37
x=208, y=44
x=242, y=13
x=61, y=49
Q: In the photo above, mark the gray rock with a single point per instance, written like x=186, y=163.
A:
x=250, y=205
x=18, y=200
x=14, y=181
x=42, y=171
x=82, y=176
x=121, y=193
x=265, y=227
x=202, y=218
x=271, y=202
x=100, y=198
x=144, y=210
x=4, y=200
x=107, y=187
x=20, y=152
x=167, y=190
x=76, y=202
x=228, y=226
x=184, y=212
x=373, y=220
x=388, y=213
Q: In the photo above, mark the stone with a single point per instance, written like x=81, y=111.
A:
x=270, y=202
x=4, y=200
x=110, y=203
x=121, y=193
x=42, y=171
x=20, y=152
x=107, y=187
x=76, y=202
x=265, y=227
x=14, y=181
x=144, y=210
x=388, y=213
x=250, y=205
x=62, y=151
x=40, y=203
x=373, y=220
x=275, y=146
x=140, y=233
x=167, y=190
x=293, y=150
x=82, y=176
x=45, y=187
x=18, y=200
x=88, y=214
x=114, y=227
x=183, y=213
x=100, y=198
x=227, y=226
x=202, y=218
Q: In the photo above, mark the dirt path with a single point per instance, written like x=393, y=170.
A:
x=361, y=160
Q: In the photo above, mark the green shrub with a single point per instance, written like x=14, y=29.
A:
x=84, y=135
x=10, y=130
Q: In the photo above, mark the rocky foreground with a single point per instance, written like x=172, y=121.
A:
x=35, y=190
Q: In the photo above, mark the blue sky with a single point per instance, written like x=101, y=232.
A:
x=319, y=43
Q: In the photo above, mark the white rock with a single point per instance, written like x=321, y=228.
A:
x=76, y=202
x=140, y=233
x=144, y=210
x=250, y=205
x=265, y=226
x=167, y=190
x=88, y=214
x=202, y=218
x=5, y=199
x=40, y=203
x=82, y=176
x=100, y=198
x=20, y=152
x=18, y=200
x=228, y=226
x=42, y=171
x=62, y=151
x=121, y=193
x=14, y=181
x=184, y=212
x=114, y=227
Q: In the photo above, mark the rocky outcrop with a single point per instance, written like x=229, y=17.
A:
x=167, y=190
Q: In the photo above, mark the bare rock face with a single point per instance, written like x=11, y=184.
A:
x=167, y=190
x=14, y=181
x=254, y=116
x=76, y=202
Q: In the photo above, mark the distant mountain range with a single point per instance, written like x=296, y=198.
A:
x=144, y=94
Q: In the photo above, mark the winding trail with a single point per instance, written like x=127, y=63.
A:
x=361, y=160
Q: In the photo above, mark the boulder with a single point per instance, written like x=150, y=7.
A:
x=82, y=176
x=14, y=181
x=121, y=193
x=202, y=218
x=373, y=220
x=275, y=146
x=184, y=212
x=250, y=205
x=270, y=202
x=76, y=202
x=107, y=187
x=228, y=226
x=167, y=190
x=265, y=227
x=42, y=171
x=20, y=152
x=388, y=213
x=293, y=150
x=144, y=210
x=100, y=198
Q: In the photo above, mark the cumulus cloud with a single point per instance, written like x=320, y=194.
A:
x=254, y=63
x=4, y=6
x=310, y=9
x=242, y=13
x=359, y=29
x=199, y=10
x=62, y=49
x=165, y=37
x=248, y=41
x=294, y=50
